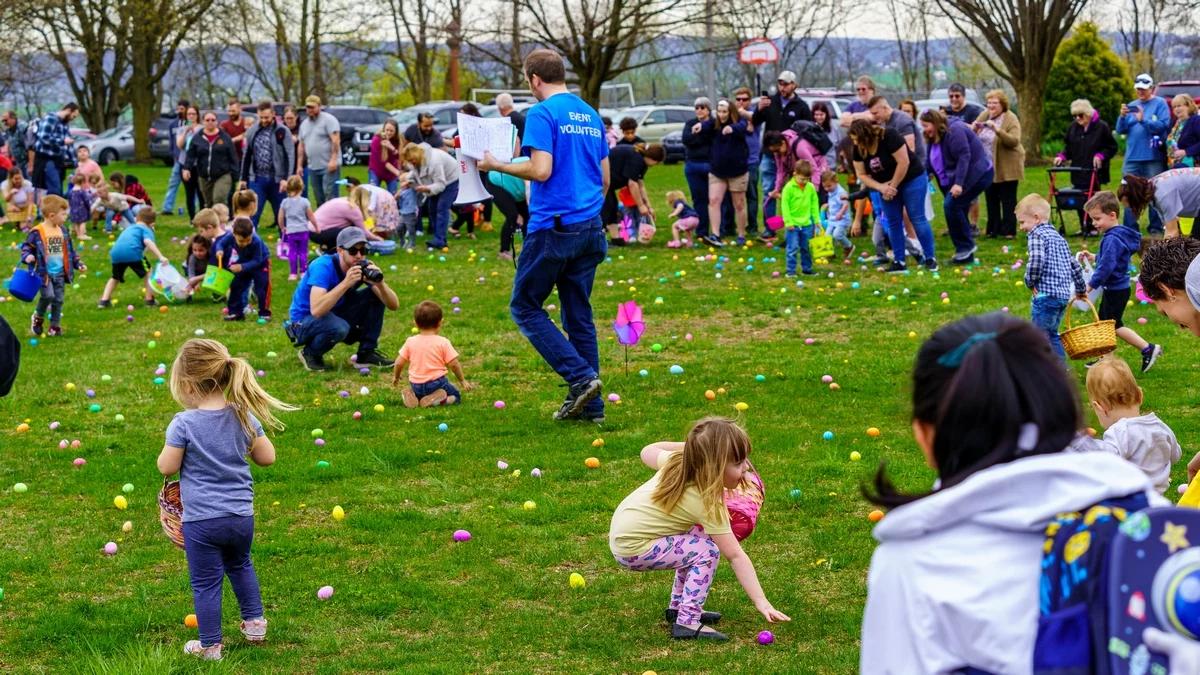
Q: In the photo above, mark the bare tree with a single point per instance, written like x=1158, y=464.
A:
x=910, y=21
x=1144, y=26
x=601, y=39
x=1019, y=40
x=415, y=27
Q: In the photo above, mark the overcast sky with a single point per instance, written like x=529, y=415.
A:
x=875, y=22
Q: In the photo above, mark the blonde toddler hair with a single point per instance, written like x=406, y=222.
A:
x=674, y=196
x=204, y=367
x=1111, y=383
x=711, y=445
x=1034, y=205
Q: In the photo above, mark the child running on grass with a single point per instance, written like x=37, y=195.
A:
x=209, y=444
x=1117, y=246
x=49, y=249
x=429, y=356
x=678, y=520
x=1052, y=273
x=128, y=252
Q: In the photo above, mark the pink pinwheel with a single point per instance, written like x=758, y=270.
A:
x=629, y=327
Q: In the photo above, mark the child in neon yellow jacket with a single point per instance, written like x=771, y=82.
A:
x=801, y=210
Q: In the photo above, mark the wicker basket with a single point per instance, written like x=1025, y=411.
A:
x=1091, y=340
x=170, y=512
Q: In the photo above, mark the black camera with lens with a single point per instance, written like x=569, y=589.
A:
x=372, y=274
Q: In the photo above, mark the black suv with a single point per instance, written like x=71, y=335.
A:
x=351, y=118
x=160, y=137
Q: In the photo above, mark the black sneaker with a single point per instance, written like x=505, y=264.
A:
x=963, y=261
x=374, y=358
x=897, y=268
x=714, y=241
x=235, y=317
x=104, y=304
x=1149, y=355
x=264, y=317
x=931, y=264
x=702, y=633
x=579, y=396
x=809, y=273
x=312, y=362
x=706, y=618
x=882, y=261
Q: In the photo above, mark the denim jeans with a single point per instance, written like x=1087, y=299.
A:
x=1145, y=169
x=423, y=389
x=1046, y=312
x=267, y=190
x=910, y=198
x=956, y=209
x=52, y=298
x=696, y=175
x=324, y=183
x=391, y=185
x=358, y=318
x=54, y=178
x=239, y=291
x=797, y=242
x=565, y=259
x=441, y=215
x=766, y=180
x=837, y=230
x=173, y=183
x=217, y=548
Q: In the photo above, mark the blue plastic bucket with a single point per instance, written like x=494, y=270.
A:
x=24, y=285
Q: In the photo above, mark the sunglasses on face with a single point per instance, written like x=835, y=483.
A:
x=701, y=107
x=742, y=98
x=357, y=250
x=955, y=97
x=1080, y=115
x=861, y=89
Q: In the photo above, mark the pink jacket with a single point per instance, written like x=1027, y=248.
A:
x=786, y=163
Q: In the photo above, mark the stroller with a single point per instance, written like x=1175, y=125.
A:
x=1071, y=199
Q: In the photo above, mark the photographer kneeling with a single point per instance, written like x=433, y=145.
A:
x=341, y=299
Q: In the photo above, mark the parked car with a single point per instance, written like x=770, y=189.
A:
x=110, y=146
x=1173, y=88
x=656, y=121
x=353, y=119
x=673, y=144
x=443, y=119
x=160, y=137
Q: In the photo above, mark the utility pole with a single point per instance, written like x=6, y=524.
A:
x=518, y=77
x=710, y=58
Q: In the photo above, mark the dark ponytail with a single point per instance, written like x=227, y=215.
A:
x=1136, y=192
x=994, y=392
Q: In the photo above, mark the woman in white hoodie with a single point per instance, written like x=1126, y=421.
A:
x=953, y=585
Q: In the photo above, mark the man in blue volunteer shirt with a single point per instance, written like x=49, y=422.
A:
x=341, y=299
x=1145, y=122
x=568, y=165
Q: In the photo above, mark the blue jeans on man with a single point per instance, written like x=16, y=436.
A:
x=267, y=190
x=797, y=239
x=324, y=183
x=766, y=181
x=564, y=257
x=173, y=183
x=392, y=185
x=440, y=215
x=956, y=210
x=910, y=198
x=217, y=548
x=1145, y=169
x=1046, y=312
x=54, y=177
x=696, y=175
x=358, y=318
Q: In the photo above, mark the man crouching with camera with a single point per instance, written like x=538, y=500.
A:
x=341, y=298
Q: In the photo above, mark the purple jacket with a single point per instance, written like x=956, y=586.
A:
x=963, y=156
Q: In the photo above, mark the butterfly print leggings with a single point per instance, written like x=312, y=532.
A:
x=694, y=557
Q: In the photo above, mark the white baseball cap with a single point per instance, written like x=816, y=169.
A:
x=787, y=76
x=1143, y=81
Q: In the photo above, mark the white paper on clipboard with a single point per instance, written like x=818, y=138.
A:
x=477, y=135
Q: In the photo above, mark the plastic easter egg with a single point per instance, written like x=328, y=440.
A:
x=795, y=493
x=79, y=461
x=378, y=408
x=357, y=415
x=443, y=427
x=338, y=513
x=159, y=380
x=809, y=341
x=1183, y=487
x=190, y=621
x=199, y=332
x=317, y=433
x=54, y=425
x=498, y=405
x=95, y=407
x=656, y=347
x=110, y=548
x=875, y=516
x=614, y=398
x=741, y=406
x=855, y=456
x=502, y=465
x=529, y=505
x=322, y=464
x=710, y=394
x=828, y=435
x=75, y=443
x=22, y=428
x=152, y=344
x=535, y=472
x=1141, y=320
x=834, y=386
x=106, y=378
x=319, y=442
x=63, y=444
x=516, y=473
x=325, y=592
x=592, y=463
x=271, y=355
x=643, y=372
x=127, y=488
x=676, y=369
x=120, y=502
x=577, y=580
x=766, y=637
x=118, y=417
x=598, y=443
x=873, y=432
x=461, y=535
x=760, y=378
x=827, y=379
x=20, y=487
x=127, y=526
x=363, y=391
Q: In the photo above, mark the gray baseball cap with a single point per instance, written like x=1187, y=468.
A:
x=350, y=236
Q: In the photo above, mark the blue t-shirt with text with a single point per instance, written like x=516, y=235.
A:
x=570, y=130
x=131, y=245
x=324, y=272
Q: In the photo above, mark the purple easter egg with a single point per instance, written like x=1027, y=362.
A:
x=766, y=637
x=320, y=442
x=462, y=535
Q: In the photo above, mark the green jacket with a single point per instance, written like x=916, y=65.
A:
x=800, y=205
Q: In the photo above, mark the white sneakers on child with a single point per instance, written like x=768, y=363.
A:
x=211, y=653
x=254, y=630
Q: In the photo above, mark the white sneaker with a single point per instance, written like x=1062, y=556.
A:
x=254, y=630
x=193, y=648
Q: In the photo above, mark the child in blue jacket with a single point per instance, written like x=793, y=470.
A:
x=1117, y=246
x=244, y=253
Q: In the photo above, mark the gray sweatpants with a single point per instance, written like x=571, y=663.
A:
x=52, y=297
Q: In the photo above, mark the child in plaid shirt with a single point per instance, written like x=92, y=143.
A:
x=1051, y=272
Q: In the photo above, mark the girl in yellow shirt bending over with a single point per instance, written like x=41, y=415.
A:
x=678, y=520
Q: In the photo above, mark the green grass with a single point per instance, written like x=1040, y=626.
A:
x=408, y=599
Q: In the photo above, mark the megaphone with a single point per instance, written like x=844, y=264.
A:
x=470, y=187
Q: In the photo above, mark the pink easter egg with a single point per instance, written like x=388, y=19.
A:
x=499, y=405
x=79, y=461
x=827, y=379
x=320, y=442
x=462, y=535
x=75, y=443
x=1142, y=320
x=110, y=548
x=63, y=444
x=809, y=341
x=325, y=592
x=357, y=415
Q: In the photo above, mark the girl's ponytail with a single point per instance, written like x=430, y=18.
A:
x=248, y=397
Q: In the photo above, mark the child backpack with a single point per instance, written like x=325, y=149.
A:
x=814, y=134
x=744, y=503
x=1108, y=573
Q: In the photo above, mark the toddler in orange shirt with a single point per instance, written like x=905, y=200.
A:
x=429, y=356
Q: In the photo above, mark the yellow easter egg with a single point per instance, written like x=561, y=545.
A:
x=339, y=513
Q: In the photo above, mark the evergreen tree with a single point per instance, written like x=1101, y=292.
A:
x=1085, y=66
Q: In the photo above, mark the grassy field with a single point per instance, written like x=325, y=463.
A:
x=409, y=599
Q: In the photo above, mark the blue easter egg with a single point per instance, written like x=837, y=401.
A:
x=760, y=378
x=643, y=372
x=443, y=427
x=828, y=435
x=677, y=370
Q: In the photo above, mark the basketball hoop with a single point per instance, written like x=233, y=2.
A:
x=758, y=51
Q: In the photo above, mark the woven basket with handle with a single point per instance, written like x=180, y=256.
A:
x=170, y=512
x=1091, y=340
